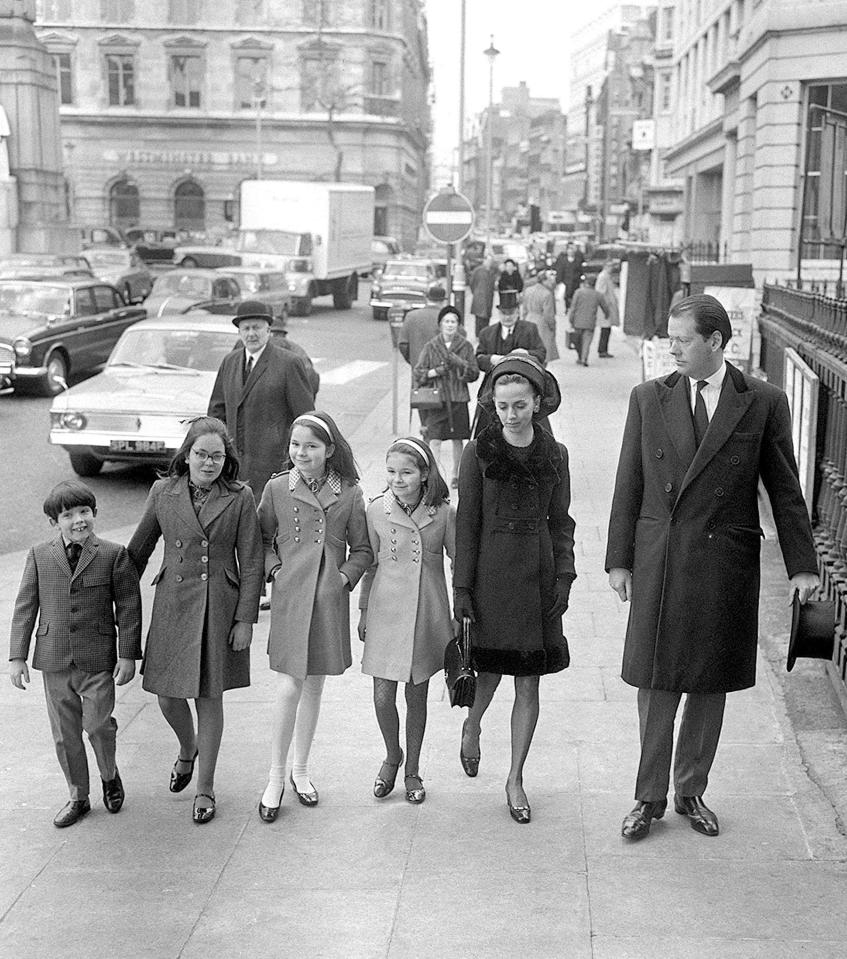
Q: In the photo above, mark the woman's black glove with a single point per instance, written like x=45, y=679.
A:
x=456, y=361
x=561, y=597
x=463, y=605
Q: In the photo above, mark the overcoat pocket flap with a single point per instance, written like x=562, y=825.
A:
x=43, y=629
x=232, y=577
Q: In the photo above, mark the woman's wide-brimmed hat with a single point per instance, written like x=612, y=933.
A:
x=812, y=630
x=529, y=367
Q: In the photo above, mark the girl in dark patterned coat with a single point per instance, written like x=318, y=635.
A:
x=514, y=557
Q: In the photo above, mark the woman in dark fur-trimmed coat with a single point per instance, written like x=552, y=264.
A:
x=514, y=556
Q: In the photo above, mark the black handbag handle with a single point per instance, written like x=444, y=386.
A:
x=466, y=641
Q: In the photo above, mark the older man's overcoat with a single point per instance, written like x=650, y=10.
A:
x=405, y=593
x=307, y=536
x=686, y=522
x=210, y=578
x=259, y=412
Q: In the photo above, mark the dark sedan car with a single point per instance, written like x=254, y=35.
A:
x=58, y=327
x=180, y=290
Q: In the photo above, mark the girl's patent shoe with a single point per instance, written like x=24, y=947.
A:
x=415, y=792
x=309, y=798
x=521, y=814
x=269, y=813
x=384, y=782
x=470, y=764
x=180, y=780
x=203, y=814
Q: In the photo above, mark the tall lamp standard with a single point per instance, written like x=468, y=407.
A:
x=460, y=160
x=259, y=102
x=492, y=53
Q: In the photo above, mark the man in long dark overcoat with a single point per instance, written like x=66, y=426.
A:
x=683, y=547
x=259, y=391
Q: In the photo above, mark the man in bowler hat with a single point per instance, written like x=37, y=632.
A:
x=683, y=549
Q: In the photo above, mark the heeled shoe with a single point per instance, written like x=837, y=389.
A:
x=180, y=780
x=382, y=784
x=306, y=798
x=470, y=764
x=269, y=813
x=415, y=794
x=521, y=814
x=203, y=814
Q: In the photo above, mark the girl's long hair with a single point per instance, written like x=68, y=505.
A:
x=205, y=426
x=342, y=459
x=435, y=489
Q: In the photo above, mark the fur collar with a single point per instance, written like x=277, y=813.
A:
x=543, y=463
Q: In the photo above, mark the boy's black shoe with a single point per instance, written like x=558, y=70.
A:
x=74, y=810
x=113, y=793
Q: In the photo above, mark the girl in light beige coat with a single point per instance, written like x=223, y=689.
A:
x=405, y=610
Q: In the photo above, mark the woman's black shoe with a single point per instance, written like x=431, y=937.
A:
x=307, y=798
x=384, y=784
x=180, y=780
x=521, y=814
x=470, y=764
x=203, y=814
x=269, y=813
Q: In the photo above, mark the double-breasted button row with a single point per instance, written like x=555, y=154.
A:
x=178, y=544
x=719, y=491
x=668, y=487
x=734, y=460
x=659, y=453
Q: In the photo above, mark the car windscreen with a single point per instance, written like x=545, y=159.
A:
x=34, y=298
x=406, y=269
x=268, y=241
x=247, y=282
x=188, y=349
x=182, y=284
x=101, y=258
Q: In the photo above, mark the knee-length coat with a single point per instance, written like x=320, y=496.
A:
x=685, y=521
x=210, y=578
x=514, y=539
x=405, y=592
x=307, y=536
x=539, y=307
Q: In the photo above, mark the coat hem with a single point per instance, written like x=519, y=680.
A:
x=514, y=662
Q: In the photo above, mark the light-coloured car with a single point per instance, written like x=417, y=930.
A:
x=137, y=410
x=186, y=289
x=403, y=283
x=269, y=286
x=503, y=250
x=122, y=268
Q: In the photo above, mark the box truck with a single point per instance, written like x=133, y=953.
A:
x=319, y=233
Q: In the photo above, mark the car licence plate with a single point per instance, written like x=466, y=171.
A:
x=137, y=446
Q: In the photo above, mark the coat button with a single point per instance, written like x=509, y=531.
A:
x=719, y=491
x=204, y=559
x=296, y=509
x=659, y=453
x=74, y=609
x=511, y=525
x=711, y=525
x=204, y=576
x=178, y=544
x=179, y=579
x=296, y=539
x=734, y=460
x=204, y=543
x=668, y=487
x=73, y=627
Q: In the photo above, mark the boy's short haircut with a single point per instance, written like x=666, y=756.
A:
x=67, y=495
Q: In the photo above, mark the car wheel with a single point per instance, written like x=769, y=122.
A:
x=84, y=464
x=304, y=306
x=56, y=379
x=188, y=261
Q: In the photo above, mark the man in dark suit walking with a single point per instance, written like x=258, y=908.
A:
x=259, y=391
x=683, y=548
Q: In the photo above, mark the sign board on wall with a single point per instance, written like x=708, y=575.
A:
x=656, y=359
x=801, y=388
x=643, y=134
x=742, y=305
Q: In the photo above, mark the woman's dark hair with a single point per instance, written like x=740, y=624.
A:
x=67, y=495
x=435, y=489
x=510, y=260
x=341, y=460
x=449, y=311
x=206, y=426
x=507, y=378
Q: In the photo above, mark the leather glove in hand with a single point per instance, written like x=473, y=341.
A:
x=463, y=605
x=561, y=598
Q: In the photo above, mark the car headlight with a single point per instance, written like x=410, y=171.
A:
x=23, y=348
x=73, y=421
x=292, y=287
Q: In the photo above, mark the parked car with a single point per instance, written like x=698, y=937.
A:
x=153, y=246
x=123, y=269
x=269, y=286
x=101, y=236
x=31, y=265
x=183, y=289
x=209, y=254
x=503, y=250
x=59, y=327
x=137, y=410
x=404, y=282
x=383, y=248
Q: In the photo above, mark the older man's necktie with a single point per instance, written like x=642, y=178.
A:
x=701, y=417
x=248, y=366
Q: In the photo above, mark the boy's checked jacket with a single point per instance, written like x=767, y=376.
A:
x=76, y=615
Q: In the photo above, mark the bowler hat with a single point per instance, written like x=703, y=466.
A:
x=812, y=630
x=252, y=310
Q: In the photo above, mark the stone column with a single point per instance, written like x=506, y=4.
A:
x=30, y=100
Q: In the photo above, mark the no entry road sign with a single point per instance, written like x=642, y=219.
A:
x=448, y=217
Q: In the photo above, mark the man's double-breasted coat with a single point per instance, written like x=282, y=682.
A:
x=685, y=521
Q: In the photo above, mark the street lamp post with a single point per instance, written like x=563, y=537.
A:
x=259, y=100
x=492, y=53
x=460, y=160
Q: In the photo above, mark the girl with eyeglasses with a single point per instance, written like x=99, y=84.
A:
x=315, y=536
x=206, y=600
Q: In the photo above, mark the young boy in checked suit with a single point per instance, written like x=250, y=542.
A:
x=80, y=589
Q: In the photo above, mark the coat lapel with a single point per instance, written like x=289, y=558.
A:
x=255, y=374
x=219, y=499
x=182, y=500
x=57, y=548
x=675, y=404
x=89, y=551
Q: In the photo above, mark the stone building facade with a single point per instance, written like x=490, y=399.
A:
x=168, y=105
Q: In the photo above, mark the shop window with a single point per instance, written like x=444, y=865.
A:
x=189, y=206
x=64, y=77
x=251, y=82
x=124, y=205
x=120, y=74
x=186, y=79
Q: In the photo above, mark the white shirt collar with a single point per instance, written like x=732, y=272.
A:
x=255, y=355
x=715, y=380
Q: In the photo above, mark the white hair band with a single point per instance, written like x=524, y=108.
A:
x=419, y=447
x=316, y=420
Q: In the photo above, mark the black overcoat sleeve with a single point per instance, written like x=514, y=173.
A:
x=468, y=519
x=629, y=489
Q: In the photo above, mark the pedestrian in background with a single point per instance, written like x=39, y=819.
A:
x=510, y=279
x=582, y=314
x=683, y=550
x=82, y=590
x=315, y=534
x=482, y=285
x=405, y=620
x=539, y=307
x=605, y=287
x=448, y=361
x=206, y=599
x=419, y=327
x=514, y=558
x=568, y=269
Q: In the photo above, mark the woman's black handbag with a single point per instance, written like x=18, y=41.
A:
x=458, y=672
x=426, y=398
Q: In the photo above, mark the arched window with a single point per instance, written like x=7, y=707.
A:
x=189, y=206
x=124, y=205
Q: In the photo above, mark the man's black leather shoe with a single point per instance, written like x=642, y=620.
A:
x=74, y=811
x=702, y=818
x=113, y=793
x=636, y=825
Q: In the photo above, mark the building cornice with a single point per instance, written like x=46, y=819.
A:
x=726, y=78
x=678, y=150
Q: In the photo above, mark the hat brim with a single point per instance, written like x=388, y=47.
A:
x=812, y=630
x=238, y=320
x=527, y=366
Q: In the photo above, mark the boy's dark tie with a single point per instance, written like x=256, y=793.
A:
x=701, y=417
x=73, y=551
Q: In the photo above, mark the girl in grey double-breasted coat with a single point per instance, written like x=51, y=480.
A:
x=315, y=536
x=405, y=620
